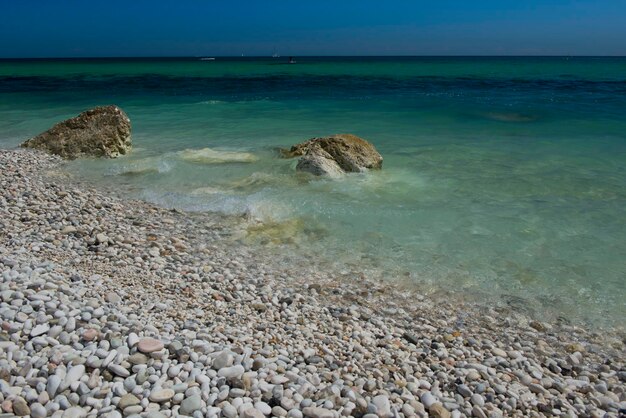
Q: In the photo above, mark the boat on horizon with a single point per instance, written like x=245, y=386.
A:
x=207, y=59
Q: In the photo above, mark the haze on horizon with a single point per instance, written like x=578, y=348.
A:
x=116, y=28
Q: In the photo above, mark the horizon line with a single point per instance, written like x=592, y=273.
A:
x=315, y=56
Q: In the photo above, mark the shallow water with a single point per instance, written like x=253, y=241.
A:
x=504, y=179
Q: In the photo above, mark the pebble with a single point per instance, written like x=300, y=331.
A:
x=191, y=404
x=464, y=390
x=72, y=376
x=118, y=370
x=90, y=334
x=161, y=395
x=252, y=413
x=74, y=412
x=53, y=384
x=477, y=400
x=113, y=297
x=223, y=360
x=315, y=412
x=39, y=330
x=128, y=400
x=438, y=411
x=20, y=407
x=37, y=410
x=383, y=407
x=231, y=372
x=149, y=345
x=229, y=411
x=428, y=399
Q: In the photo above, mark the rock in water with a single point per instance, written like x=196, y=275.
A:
x=334, y=155
x=99, y=132
x=319, y=163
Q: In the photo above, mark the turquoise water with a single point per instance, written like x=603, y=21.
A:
x=504, y=179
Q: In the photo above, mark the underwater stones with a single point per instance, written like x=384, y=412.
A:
x=99, y=132
x=335, y=155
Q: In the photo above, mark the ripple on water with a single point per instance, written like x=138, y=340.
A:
x=136, y=167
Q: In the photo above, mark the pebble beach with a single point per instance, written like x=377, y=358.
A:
x=117, y=308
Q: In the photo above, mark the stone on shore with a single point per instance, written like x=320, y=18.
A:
x=149, y=345
x=128, y=400
x=231, y=372
x=335, y=155
x=20, y=407
x=161, y=395
x=438, y=411
x=191, y=404
x=315, y=412
x=103, y=131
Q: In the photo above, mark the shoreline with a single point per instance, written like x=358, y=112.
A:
x=291, y=340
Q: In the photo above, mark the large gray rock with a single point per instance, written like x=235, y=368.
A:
x=99, y=132
x=335, y=155
x=319, y=163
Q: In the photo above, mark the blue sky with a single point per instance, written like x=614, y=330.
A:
x=72, y=28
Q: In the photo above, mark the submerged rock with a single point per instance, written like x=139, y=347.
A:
x=335, y=155
x=292, y=231
x=99, y=132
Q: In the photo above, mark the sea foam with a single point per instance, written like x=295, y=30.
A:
x=213, y=156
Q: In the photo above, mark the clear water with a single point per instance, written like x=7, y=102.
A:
x=504, y=179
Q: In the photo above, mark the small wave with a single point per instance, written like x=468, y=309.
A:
x=212, y=156
x=258, y=180
x=210, y=102
x=394, y=183
x=204, y=191
x=510, y=117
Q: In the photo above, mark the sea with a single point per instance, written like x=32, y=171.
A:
x=503, y=181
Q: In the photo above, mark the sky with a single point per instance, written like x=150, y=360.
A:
x=126, y=28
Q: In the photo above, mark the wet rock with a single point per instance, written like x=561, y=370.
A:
x=336, y=154
x=319, y=164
